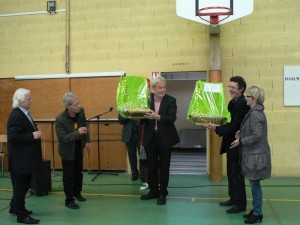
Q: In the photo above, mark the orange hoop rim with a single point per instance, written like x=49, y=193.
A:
x=214, y=14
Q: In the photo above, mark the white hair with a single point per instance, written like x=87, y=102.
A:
x=157, y=80
x=19, y=97
x=68, y=97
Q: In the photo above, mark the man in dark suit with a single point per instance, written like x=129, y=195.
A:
x=25, y=154
x=131, y=136
x=73, y=137
x=160, y=135
x=238, y=109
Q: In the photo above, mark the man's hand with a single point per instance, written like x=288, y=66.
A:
x=210, y=126
x=82, y=130
x=88, y=146
x=238, y=134
x=37, y=134
x=152, y=115
x=235, y=143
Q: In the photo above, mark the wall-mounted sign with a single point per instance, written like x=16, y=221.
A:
x=291, y=85
x=155, y=74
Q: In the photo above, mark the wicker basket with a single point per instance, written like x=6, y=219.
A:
x=201, y=120
x=136, y=114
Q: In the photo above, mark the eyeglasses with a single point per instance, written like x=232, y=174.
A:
x=232, y=87
x=75, y=105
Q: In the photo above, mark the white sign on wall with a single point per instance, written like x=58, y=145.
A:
x=291, y=85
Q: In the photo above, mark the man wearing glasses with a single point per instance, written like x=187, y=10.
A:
x=72, y=134
x=236, y=181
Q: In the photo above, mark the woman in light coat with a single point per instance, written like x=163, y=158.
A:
x=255, y=151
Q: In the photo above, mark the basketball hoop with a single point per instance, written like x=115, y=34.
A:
x=214, y=12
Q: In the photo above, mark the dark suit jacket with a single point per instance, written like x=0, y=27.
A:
x=128, y=128
x=166, y=128
x=66, y=134
x=238, y=109
x=25, y=153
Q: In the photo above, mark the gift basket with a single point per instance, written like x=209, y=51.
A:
x=208, y=105
x=132, y=97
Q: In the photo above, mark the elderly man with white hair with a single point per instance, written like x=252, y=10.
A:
x=25, y=153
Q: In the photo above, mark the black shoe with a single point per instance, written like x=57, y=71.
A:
x=80, y=198
x=236, y=209
x=253, y=219
x=134, y=177
x=162, y=200
x=27, y=220
x=246, y=216
x=150, y=195
x=226, y=203
x=27, y=212
x=72, y=205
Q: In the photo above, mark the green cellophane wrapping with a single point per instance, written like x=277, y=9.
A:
x=208, y=104
x=132, y=97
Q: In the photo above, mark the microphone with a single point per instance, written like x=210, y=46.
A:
x=110, y=109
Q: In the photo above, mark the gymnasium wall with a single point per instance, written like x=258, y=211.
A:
x=141, y=36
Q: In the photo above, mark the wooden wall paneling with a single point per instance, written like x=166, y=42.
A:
x=6, y=91
x=90, y=160
x=46, y=96
x=113, y=155
x=96, y=95
x=47, y=139
x=57, y=159
x=113, y=150
x=7, y=88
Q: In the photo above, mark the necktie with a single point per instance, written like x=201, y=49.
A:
x=31, y=120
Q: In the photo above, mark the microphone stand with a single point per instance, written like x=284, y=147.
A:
x=98, y=143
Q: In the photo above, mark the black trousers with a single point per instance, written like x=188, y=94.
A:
x=72, y=176
x=132, y=150
x=20, y=183
x=236, y=181
x=158, y=160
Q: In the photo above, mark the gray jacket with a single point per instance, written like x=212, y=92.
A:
x=255, y=149
x=67, y=135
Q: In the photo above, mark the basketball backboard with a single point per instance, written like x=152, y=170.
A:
x=188, y=9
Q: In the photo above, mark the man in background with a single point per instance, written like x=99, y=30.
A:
x=25, y=153
x=131, y=136
x=72, y=134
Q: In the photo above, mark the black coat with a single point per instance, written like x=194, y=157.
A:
x=129, y=127
x=238, y=109
x=25, y=153
x=166, y=128
x=67, y=135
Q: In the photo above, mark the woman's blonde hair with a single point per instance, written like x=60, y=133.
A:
x=257, y=93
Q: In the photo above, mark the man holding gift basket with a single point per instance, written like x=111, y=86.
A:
x=238, y=109
x=160, y=135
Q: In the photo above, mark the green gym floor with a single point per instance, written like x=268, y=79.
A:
x=192, y=200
